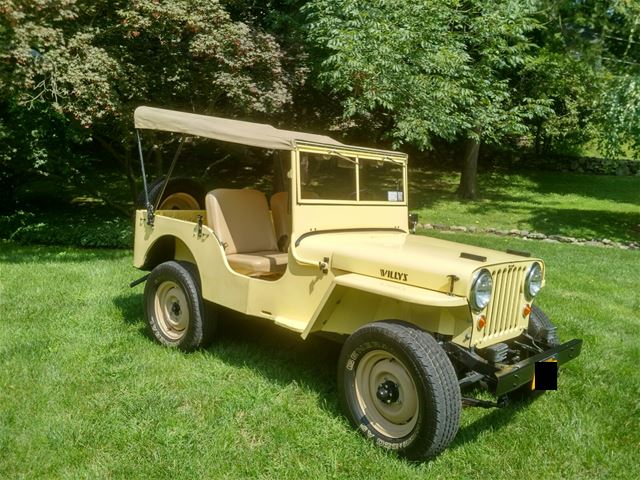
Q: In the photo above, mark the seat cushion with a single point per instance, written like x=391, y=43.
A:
x=258, y=262
x=241, y=220
x=281, y=215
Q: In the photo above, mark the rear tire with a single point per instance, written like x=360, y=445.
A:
x=174, y=310
x=398, y=387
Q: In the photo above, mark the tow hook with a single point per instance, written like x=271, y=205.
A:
x=502, y=401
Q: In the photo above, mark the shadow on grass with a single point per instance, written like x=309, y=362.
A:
x=431, y=187
x=527, y=197
x=491, y=421
x=284, y=358
x=434, y=190
x=573, y=222
x=275, y=353
x=623, y=189
x=609, y=188
x=593, y=223
x=131, y=307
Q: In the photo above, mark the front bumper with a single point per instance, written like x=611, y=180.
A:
x=502, y=378
x=515, y=376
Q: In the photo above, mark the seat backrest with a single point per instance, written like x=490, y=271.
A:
x=241, y=220
x=281, y=214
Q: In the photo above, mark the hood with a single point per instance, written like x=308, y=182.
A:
x=410, y=259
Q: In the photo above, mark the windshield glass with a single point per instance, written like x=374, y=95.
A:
x=336, y=177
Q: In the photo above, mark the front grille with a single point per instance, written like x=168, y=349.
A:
x=503, y=312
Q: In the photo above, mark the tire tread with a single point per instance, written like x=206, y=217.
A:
x=202, y=325
x=431, y=362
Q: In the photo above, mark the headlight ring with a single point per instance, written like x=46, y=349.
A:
x=481, y=287
x=533, y=281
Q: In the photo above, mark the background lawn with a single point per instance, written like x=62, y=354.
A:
x=571, y=204
x=85, y=393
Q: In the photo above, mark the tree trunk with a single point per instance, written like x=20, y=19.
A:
x=468, y=188
x=538, y=143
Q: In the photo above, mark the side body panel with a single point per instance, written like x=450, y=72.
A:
x=304, y=299
x=219, y=283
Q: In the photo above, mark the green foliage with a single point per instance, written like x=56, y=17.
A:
x=35, y=143
x=541, y=73
x=82, y=228
x=620, y=117
x=590, y=67
x=200, y=56
x=430, y=68
x=554, y=75
x=572, y=89
x=80, y=67
x=95, y=61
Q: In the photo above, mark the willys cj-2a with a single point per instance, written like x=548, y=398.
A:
x=332, y=253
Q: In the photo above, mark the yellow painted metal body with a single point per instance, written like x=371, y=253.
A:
x=373, y=268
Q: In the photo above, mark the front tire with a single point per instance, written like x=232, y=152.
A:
x=175, y=313
x=543, y=331
x=398, y=387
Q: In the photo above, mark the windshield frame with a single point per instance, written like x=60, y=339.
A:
x=355, y=155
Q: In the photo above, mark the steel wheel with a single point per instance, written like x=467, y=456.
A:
x=175, y=312
x=386, y=393
x=172, y=310
x=179, y=201
x=399, y=388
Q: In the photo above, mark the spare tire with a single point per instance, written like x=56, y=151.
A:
x=181, y=193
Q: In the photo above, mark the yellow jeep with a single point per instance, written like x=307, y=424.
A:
x=420, y=319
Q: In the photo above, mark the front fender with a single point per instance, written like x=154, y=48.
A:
x=355, y=300
x=399, y=291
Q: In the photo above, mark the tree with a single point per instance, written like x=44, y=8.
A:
x=90, y=63
x=312, y=106
x=617, y=37
x=430, y=69
x=589, y=67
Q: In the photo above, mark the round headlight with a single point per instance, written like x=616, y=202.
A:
x=481, y=289
x=533, y=281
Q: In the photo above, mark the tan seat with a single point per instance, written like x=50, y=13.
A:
x=241, y=221
x=281, y=218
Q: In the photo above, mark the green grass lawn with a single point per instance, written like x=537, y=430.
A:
x=84, y=393
x=585, y=206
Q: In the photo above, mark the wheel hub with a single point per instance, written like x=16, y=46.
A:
x=173, y=320
x=388, y=392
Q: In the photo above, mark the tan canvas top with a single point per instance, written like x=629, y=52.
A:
x=245, y=133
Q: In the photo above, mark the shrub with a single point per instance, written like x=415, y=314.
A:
x=80, y=229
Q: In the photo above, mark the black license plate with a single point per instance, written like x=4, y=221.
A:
x=546, y=375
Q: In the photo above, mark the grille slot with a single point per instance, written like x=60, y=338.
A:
x=502, y=311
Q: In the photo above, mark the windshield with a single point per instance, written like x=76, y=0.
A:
x=345, y=178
